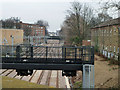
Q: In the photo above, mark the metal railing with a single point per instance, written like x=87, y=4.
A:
x=48, y=54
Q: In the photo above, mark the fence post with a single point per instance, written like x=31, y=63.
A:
x=18, y=51
x=62, y=52
x=82, y=57
x=65, y=53
x=92, y=55
x=75, y=54
x=31, y=51
x=46, y=52
x=88, y=76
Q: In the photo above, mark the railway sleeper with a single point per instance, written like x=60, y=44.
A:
x=24, y=72
x=69, y=73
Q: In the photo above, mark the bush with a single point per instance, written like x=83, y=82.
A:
x=76, y=40
x=96, y=48
x=77, y=84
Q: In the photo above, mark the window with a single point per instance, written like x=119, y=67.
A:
x=99, y=32
x=118, y=49
x=95, y=33
x=119, y=30
x=110, y=48
x=114, y=31
x=105, y=31
x=102, y=32
x=106, y=48
x=114, y=48
x=110, y=32
x=14, y=26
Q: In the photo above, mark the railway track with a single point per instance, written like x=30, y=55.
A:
x=52, y=78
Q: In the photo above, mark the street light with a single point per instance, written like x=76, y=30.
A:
x=12, y=42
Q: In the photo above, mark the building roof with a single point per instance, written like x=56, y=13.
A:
x=108, y=23
x=32, y=24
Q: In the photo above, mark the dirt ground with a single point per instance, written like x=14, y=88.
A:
x=106, y=74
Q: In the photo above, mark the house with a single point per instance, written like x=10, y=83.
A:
x=105, y=38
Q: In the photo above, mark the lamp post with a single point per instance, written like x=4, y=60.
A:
x=12, y=43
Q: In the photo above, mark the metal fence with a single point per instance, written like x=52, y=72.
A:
x=47, y=53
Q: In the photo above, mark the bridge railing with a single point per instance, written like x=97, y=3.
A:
x=83, y=54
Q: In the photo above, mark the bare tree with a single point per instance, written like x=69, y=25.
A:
x=104, y=17
x=77, y=23
x=87, y=14
x=27, y=31
x=42, y=23
x=13, y=22
x=112, y=6
x=73, y=21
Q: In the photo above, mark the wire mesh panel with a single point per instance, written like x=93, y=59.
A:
x=8, y=51
x=84, y=54
x=24, y=50
x=47, y=52
x=87, y=53
x=39, y=52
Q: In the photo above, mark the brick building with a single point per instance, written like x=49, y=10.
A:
x=36, y=29
x=105, y=38
x=86, y=42
x=33, y=33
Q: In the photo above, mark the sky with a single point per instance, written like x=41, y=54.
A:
x=29, y=11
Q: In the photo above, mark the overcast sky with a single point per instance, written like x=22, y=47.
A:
x=29, y=11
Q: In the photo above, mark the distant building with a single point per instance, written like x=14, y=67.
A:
x=36, y=29
x=36, y=32
x=33, y=33
x=57, y=32
x=52, y=33
x=86, y=42
x=105, y=38
x=6, y=36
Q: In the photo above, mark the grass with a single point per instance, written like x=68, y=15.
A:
x=113, y=62
x=77, y=84
x=16, y=83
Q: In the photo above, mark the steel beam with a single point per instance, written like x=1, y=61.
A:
x=35, y=66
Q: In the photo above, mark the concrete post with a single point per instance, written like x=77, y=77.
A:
x=88, y=76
